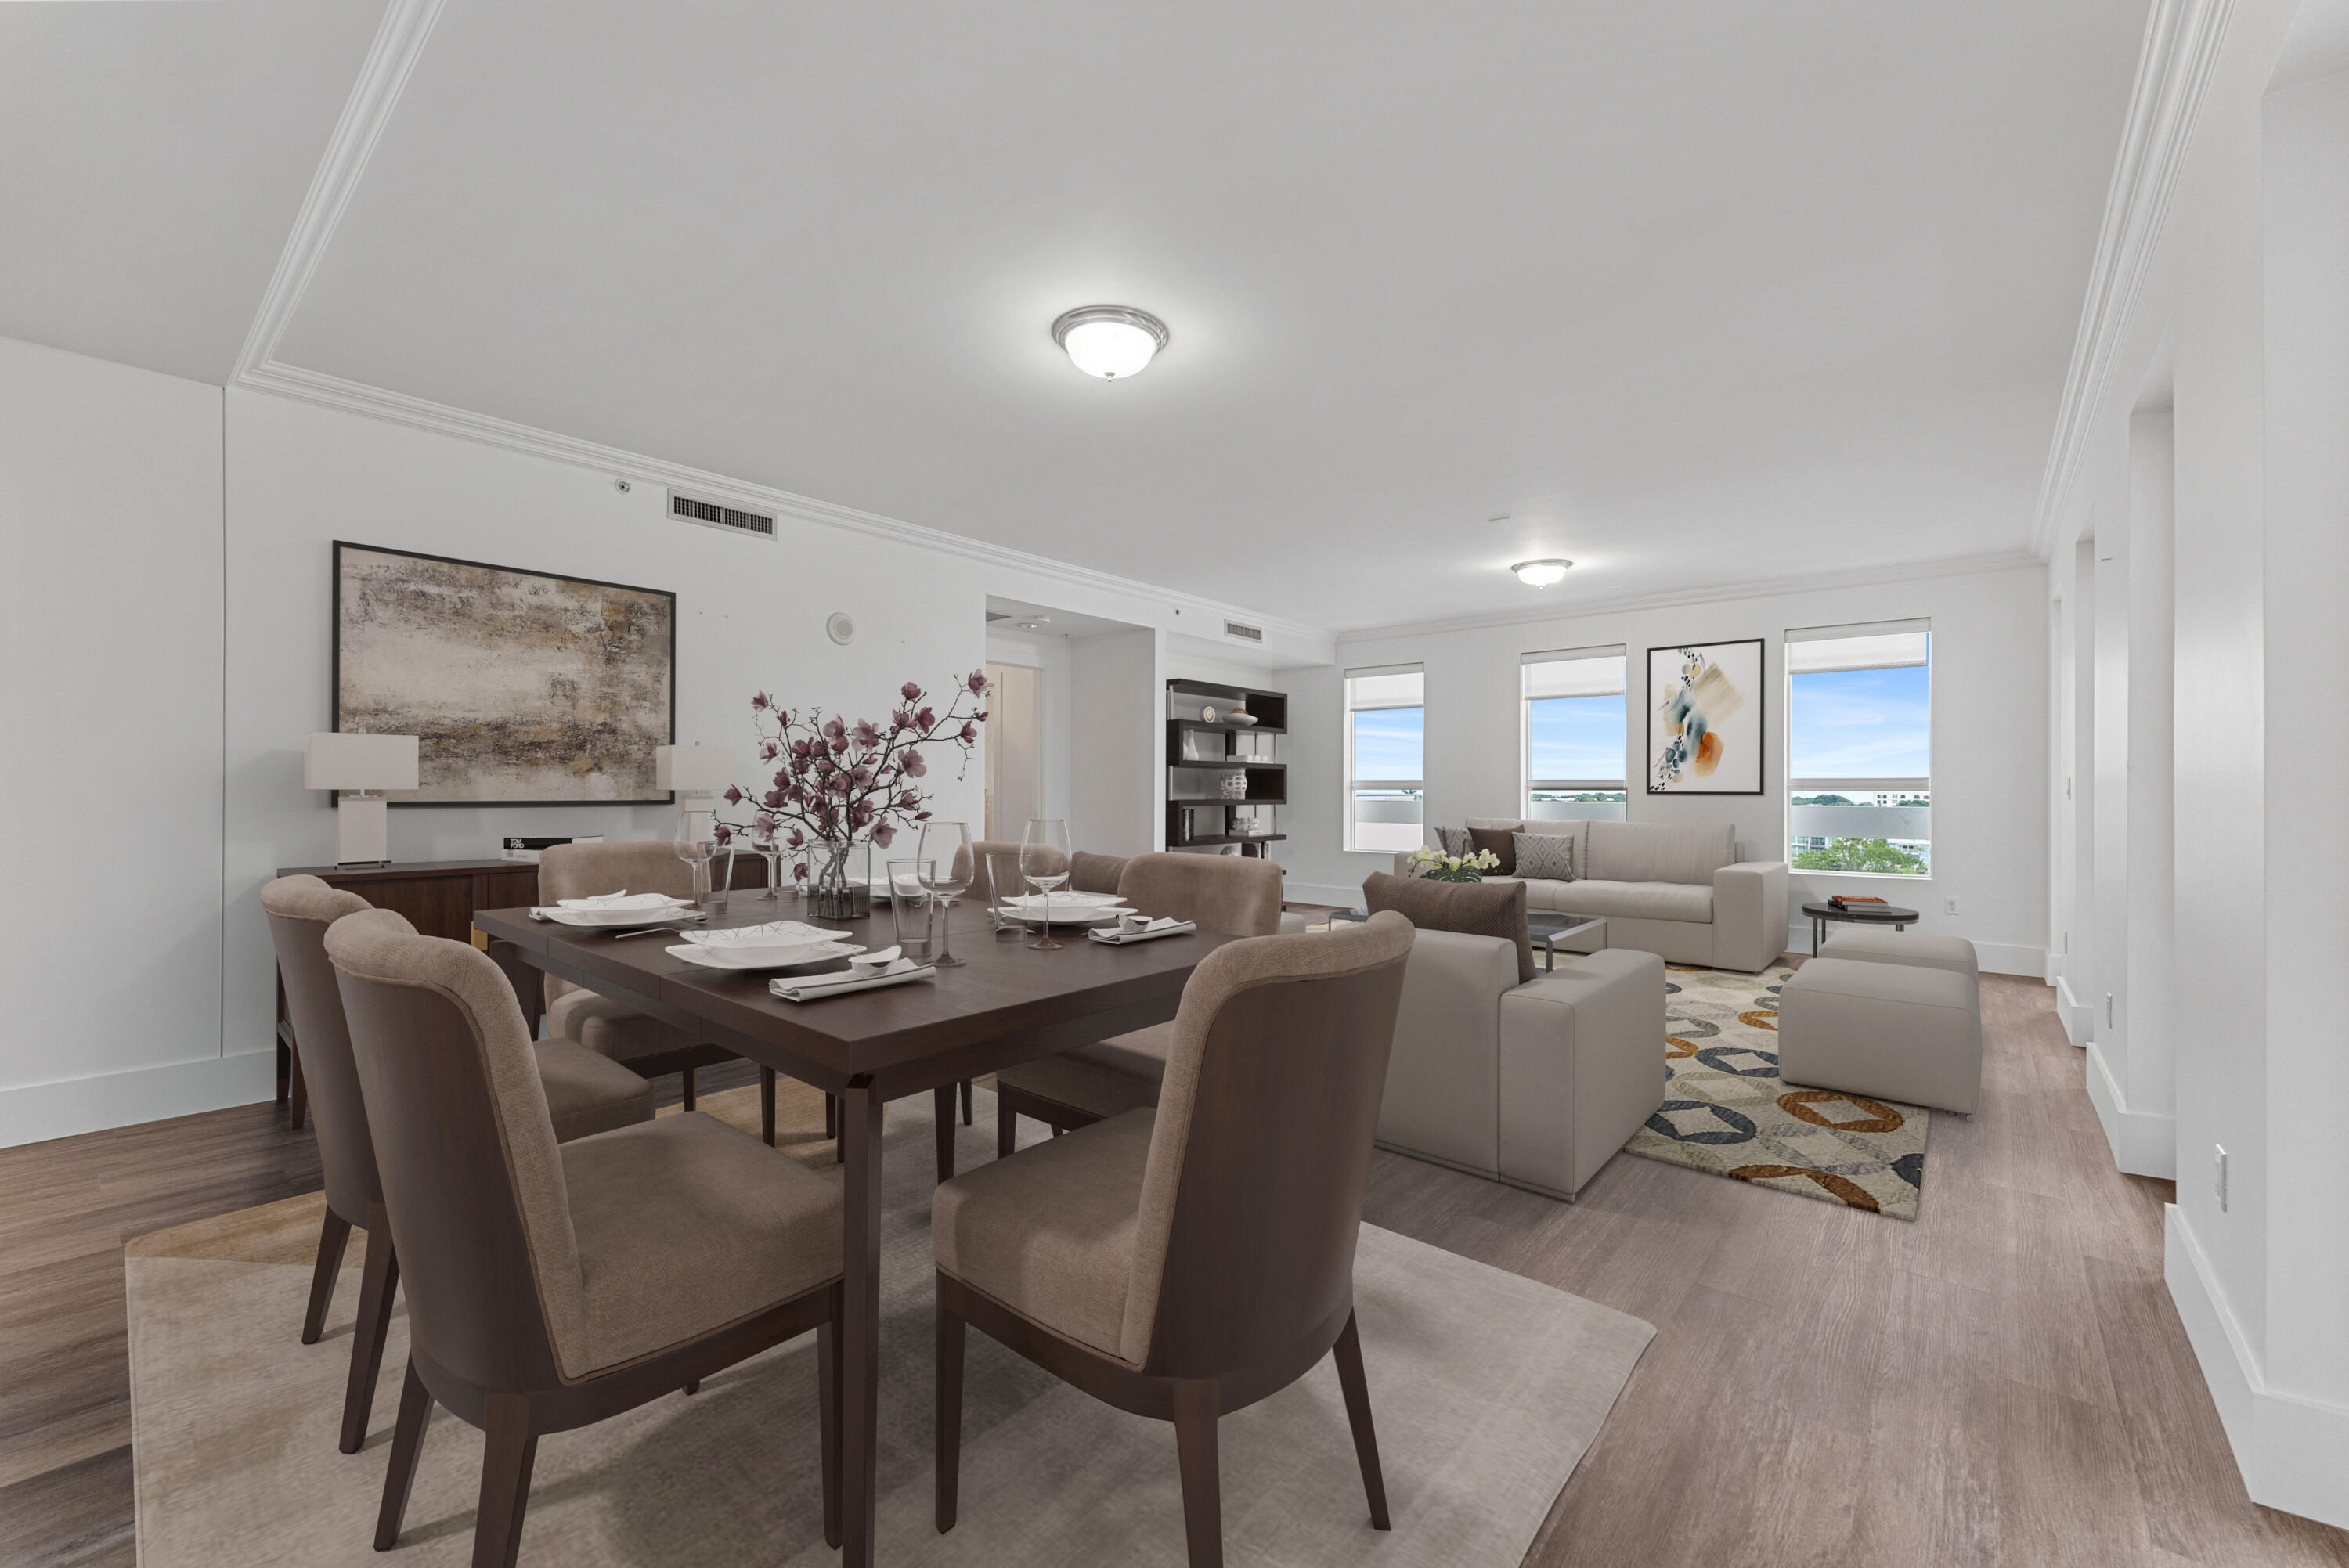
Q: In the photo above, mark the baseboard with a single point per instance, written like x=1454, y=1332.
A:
x=2292, y=1451
x=2144, y=1142
x=35, y=1113
x=1994, y=957
x=2070, y=1014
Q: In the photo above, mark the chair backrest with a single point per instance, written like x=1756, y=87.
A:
x=996, y=869
x=1090, y=872
x=463, y=1142
x=1238, y=896
x=589, y=870
x=1252, y=1195
x=300, y=909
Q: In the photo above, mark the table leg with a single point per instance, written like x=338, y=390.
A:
x=1819, y=929
x=859, y=1334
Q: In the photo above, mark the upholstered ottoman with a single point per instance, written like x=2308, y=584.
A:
x=1907, y=1032
x=1875, y=946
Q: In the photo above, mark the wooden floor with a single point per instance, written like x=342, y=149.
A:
x=2003, y=1381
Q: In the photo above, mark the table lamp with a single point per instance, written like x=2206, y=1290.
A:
x=697, y=773
x=354, y=763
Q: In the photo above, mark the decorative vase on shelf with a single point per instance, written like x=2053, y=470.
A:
x=1235, y=786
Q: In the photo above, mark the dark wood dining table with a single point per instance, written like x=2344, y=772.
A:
x=1007, y=1004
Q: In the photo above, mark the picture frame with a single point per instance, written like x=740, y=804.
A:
x=1707, y=718
x=524, y=688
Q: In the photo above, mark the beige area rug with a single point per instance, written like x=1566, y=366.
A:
x=1488, y=1388
x=1727, y=1111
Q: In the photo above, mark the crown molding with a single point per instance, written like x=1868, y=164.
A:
x=2182, y=38
x=399, y=409
x=1809, y=582
x=398, y=43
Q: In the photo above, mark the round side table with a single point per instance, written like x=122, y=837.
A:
x=1891, y=914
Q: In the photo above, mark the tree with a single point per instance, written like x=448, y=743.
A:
x=1859, y=855
x=1820, y=800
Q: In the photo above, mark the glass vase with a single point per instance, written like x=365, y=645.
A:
x=831, y=895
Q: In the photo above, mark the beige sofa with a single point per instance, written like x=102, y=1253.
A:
x=1535, y=1085
x=1677, y=892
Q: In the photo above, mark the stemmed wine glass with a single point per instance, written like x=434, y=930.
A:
x=696, y=851
x=1044, y=866
x=763, y=840
x=946, y=851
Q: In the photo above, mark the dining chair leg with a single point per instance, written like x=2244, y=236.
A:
x=298, y=1095
x=966, y=1102
x=333, y=1237
x=942, y=1100
x=407, y=1442
x=376, y=1282
x=693, y=1387
x=686, y=1084
x=1194, y=1451
x=827, y=1409
x=948, y=1459
x=1348, y=1353
x=1006, y=1129
x=767, y=1105
x=506, y=1461
x=831, y=1116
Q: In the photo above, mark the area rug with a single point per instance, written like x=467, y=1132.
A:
x=1726, y=1110
x=1487, y=1389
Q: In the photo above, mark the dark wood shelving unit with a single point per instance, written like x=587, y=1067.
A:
x=1210, y=820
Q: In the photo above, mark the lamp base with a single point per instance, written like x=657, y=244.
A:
x=362, y=832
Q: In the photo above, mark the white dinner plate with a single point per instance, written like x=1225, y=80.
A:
x=742, y=959
x=1061, y=900
x=658, y=914
x=1071, y=914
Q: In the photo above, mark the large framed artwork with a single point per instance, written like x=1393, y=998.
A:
x=1705, y=719
x=524, y=688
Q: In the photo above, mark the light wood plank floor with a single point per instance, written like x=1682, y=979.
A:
x=2003, y=1381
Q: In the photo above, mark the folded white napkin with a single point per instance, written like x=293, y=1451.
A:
x=773, y=934
x=816, y=986
x=1149, y=931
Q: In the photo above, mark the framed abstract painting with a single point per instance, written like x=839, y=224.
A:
x=522, y=687
x=1705, y=719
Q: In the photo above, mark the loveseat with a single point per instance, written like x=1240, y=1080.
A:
x=1676, y=891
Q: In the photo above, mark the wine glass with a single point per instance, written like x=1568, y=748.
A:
x=946, y=850
x=695, y=849
x=763, y=840
x=1044, y=866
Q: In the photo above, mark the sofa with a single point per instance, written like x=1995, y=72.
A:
x=1676, y=891
x=1536, y=1083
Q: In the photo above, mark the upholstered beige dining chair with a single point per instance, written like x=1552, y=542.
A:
x=551, y=1287
x=1185, y=1262
x=1232, y=894
x=614, y=1028
x=585, y=1094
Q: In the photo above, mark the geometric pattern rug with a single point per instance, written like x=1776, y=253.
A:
x=1727, y=1111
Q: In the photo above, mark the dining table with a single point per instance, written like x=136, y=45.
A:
x=1006, y=1004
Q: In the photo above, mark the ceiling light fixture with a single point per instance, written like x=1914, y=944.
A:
x=1110, y=341
x=1540, y=573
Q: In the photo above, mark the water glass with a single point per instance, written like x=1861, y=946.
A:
x=910, y=905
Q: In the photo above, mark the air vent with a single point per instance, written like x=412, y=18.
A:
x=718, y=514
x=1246, y=634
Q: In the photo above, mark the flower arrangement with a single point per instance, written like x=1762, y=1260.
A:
x=1434, y=865
x=837, y=784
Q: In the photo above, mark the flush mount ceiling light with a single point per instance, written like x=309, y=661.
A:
x=1110, y=341
x=1540, y=573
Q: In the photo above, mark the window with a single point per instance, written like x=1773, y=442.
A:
x=1860, y=730
x=1574, y=733
x=1386, y=726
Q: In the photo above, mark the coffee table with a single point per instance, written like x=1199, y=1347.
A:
x=1891, y=914
x=1543, y=927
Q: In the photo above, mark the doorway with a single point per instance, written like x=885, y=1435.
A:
x=1015, y=749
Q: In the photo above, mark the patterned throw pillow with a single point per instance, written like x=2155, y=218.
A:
x=1456, y=842
x=1544, y=855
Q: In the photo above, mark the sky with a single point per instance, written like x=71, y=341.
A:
x=1389, y=743
x=1862, y=724
x=1576, y=736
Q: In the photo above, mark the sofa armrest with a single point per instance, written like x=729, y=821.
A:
x=1582, y=1067
x=1443, y=1074
x=1749, y=915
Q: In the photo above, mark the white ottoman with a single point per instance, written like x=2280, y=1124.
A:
x=1897, y=1031
x=1877, y=945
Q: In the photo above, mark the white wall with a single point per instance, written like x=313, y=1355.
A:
x=110, y=697
x=1990, y=755
x=1117, y=715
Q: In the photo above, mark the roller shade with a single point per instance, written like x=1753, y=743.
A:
x=1577, y=672
x=1875, y=645
x=1392, y=687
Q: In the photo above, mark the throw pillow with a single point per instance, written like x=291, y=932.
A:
x=1475, y=909
x=1456, y=842
x=1502, y=841
x=1549, y=855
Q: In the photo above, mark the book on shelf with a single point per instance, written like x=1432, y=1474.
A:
x=524, y=849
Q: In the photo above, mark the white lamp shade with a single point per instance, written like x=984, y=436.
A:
x=335, y=761
x=696, y=769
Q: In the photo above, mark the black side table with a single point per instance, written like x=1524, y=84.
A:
x=1891, y=914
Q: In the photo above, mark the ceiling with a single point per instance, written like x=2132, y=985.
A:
x=1694, y=293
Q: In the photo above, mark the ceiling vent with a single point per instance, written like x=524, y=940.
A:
x=718, y=514
x=1246, y=633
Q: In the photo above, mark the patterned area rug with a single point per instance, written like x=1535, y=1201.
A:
x=1726, y=1110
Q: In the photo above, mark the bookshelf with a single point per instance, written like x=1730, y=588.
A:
x=1201, y=753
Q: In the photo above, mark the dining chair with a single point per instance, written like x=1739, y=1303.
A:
x=1090, y=872
x=1183, y=1262
x=1232, y=894
x=614, y=1028
x=585, y=1094
x=552, y=1286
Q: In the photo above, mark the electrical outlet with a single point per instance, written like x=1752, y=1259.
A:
x=1949, y=906
x=2218, y=1174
